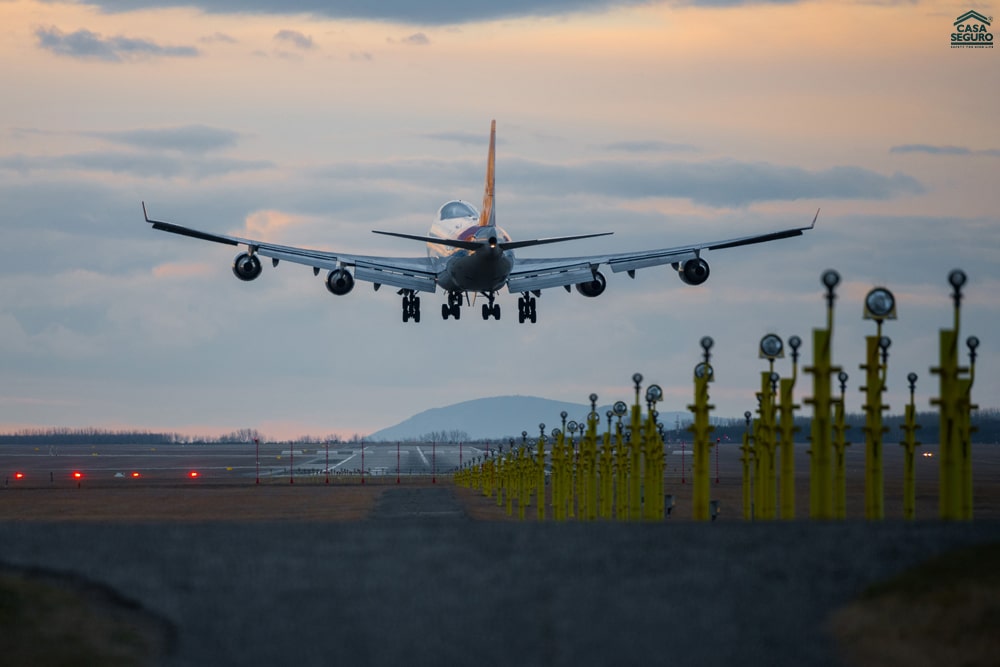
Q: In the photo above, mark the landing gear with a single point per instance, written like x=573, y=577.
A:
x=454, y=306
x=526, y=309
x=491, y=309
x=411, y=306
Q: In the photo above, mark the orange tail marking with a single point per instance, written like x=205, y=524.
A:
x=486, y=214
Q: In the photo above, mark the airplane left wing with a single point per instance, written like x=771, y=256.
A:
x=536, y=274
x=413, y=273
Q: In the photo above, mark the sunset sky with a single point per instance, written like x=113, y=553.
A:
x=312, y=123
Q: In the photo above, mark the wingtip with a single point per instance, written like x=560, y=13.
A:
x=815, y=217
x=144, y=214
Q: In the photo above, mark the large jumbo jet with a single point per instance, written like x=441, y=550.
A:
x=467, y=253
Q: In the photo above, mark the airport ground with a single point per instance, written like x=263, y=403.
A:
x=316, y=484
x=218, y=569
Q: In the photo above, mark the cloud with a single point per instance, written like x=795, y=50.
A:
x=218, y=37
x=720, y=183
x=417, y=38
x=184, y=139
x=132, y=164
x=944, y=150
x=295, y=38
x=464, y=138
x=433, y=12
x=85, y=44
x=649, y=146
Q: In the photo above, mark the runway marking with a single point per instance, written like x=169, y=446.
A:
x=422, y=457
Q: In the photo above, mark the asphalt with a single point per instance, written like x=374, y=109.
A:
x=419, y=583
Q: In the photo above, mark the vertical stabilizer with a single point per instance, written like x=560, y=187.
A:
x=486, y=216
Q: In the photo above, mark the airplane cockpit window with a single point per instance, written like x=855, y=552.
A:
x=457, y=209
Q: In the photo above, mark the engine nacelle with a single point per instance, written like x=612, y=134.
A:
x=339, y=282
x=246, y=266
x=593, y=287
x=694, y=271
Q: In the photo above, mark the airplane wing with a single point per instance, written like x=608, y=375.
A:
x=413, y=273
x=537, y=274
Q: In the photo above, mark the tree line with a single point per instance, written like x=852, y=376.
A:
x=986, y=422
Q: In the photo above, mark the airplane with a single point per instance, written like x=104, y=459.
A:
x=468, y=253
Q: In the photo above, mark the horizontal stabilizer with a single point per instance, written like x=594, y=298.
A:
x=476, y=245
x=454, y=243
x=513, y=245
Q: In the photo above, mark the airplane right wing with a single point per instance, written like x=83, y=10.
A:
x=536, y=274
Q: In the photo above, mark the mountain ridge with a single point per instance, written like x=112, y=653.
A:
x=497, y=417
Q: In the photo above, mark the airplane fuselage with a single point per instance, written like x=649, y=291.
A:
x=482, y=270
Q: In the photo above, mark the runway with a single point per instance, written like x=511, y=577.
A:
x=54, y=466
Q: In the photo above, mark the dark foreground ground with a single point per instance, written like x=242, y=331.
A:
x=418, y=582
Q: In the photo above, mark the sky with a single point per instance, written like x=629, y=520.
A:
x=312, y=123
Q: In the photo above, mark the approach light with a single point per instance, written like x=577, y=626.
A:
x=830, y=279
x=654, y=393
x=703, y=370
x=972, y=342
x=957, y=278
x=620, y=408
x=771, y=347
x=884, y=342
x=707, y=343
x=880, y=305
x=795, y=343
x=912, y=379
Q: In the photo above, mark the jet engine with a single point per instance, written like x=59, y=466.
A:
x=694, y=271
x=246, y=266
x=339, y=282
x=594, y=287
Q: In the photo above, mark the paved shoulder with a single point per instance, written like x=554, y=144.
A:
x=419, y=502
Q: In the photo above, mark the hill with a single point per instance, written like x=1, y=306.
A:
x=496, y=418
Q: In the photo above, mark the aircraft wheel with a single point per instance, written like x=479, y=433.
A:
x=445, y=311
x=456, y=312
x=486, y=312
x=496, y=311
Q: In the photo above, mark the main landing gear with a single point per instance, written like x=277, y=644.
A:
x=491, y=309
x=411, y=305
x=454, y=306
x=526, y=309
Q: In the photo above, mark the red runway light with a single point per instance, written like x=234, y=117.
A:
x=193, y=474
x=77, y=474
x=135, y=475
x=19, y=475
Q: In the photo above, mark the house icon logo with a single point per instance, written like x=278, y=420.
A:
x=972, y=31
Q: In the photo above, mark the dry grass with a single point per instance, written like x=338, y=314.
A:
x=944, y=612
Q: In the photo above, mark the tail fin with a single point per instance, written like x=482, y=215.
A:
x=486, y=215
